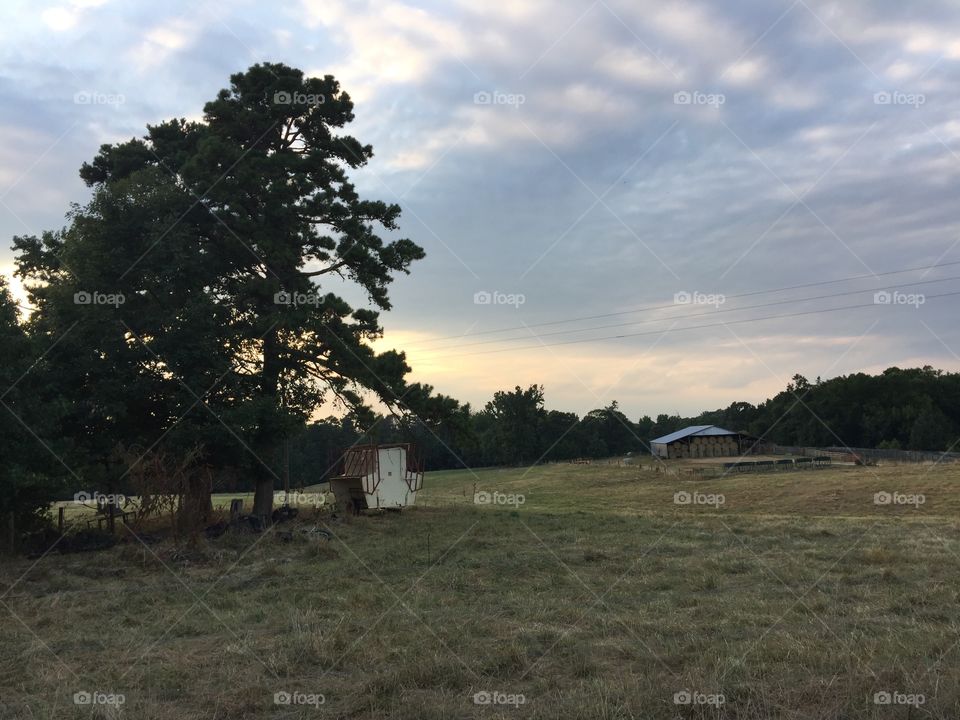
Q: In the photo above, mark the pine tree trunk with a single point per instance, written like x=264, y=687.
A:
x=263, y=499
x=263, y=492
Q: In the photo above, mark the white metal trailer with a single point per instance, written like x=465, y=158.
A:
x=384, y=477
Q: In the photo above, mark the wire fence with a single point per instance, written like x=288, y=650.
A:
x=868, y=455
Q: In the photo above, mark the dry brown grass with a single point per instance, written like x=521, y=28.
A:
x=598, y=597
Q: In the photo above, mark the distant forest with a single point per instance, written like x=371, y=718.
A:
x=911, y=409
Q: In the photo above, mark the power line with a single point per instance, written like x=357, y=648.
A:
x=706, y=313
x=672, y=305
x=673, y=329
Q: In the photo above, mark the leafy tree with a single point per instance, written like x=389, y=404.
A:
x=517, y=415
x=667, y=424
x=267, y=213
x=127, y=349
x=315, y=451
x=563, y=436
x=26, y=484
x=617, y=432
x=930, y=431
x=440, y=425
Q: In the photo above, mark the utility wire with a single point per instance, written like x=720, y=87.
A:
x=675, y=329
x=702, y=314
x=671, y=305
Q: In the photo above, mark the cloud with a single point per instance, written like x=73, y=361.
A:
x=64, y=17
x=749, y=71
x=386, y=43
x=639, y=67
x=598, y=192
x=164, y=39
x=644, y=376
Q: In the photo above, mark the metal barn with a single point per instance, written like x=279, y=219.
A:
x=699, y=441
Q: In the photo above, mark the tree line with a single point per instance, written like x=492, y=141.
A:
x=910, y=409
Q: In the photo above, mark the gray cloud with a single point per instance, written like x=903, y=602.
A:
x=504, y=197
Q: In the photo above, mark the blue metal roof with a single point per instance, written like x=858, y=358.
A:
x=700, y=430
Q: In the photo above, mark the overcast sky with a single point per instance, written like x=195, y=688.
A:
x=572, y=160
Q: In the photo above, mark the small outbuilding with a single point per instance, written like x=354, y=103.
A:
x=385, y=477
x=700, y=441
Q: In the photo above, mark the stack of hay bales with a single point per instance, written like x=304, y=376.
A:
x=702, y=446
x=705, y=446
x=719, y=446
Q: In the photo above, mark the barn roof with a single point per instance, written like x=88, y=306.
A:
x=699, y=430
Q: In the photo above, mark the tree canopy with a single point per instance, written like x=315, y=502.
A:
x=192, y=289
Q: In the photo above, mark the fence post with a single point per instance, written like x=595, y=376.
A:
x=236, y=508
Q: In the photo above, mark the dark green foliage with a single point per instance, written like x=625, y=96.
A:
x=26, y=489
x=206, y=230
x=517, y=416
x=916, y=409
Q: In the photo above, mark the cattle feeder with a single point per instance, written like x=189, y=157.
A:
x=378, y=477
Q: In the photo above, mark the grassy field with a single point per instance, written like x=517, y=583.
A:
x=588, y=591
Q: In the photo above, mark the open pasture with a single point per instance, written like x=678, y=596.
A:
x=578, y=591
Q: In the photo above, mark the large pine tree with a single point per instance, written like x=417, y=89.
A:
x=218, y=235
